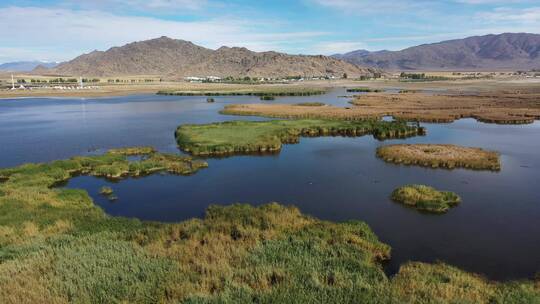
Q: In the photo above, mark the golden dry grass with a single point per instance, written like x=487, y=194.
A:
x=516, y=107
x=501, y=108
x=440, y=156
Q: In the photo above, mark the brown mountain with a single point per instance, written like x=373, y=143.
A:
x=504, y=51
x=178, y=58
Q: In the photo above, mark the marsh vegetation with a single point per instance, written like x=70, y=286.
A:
x=364, y=90
x=425, y=198
x=106, y=190
x=112, y=165
x=499, y=108
x=440, y=156
x=311, y=104
x=56, y=246
x=265, y=92
x=268, y=136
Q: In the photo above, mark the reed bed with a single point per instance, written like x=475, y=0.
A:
x=364, y=90
x=262, y=92
x=498, y=108
x=425, y=198
x=310, y=104
x=105, y=190
x=130, y=151
x=440, y=156
x=57, y=246
x=248, y=137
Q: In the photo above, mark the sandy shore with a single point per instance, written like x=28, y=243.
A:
x=133, y=89
x=453, y=87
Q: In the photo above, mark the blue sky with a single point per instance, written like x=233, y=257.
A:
x=61, y=30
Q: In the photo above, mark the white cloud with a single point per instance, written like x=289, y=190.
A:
x=138, y=5
x=397, y=6
x=55, y=34
x=366, y=6
x=509, y=15
x=335, y=47
x=158, y=4
x=477, y=2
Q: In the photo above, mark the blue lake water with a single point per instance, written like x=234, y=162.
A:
x=495, y=231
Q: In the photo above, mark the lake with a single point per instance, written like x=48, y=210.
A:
x=495, y=231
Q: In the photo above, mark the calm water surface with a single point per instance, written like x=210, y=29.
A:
x=495, y=231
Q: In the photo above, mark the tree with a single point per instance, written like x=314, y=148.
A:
x=345, y=76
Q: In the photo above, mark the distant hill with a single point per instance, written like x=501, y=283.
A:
x=25, y=66
x=504, y=51
x=179, y=58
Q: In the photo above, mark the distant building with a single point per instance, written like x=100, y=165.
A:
x=193, y=79
x=213, y=78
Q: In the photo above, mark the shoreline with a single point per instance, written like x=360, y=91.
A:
x=453, y=86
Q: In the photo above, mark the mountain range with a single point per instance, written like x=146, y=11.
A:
x=504, y=51
x=178, y=58
x=25, y=66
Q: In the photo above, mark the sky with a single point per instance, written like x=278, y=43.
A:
x=60, y=30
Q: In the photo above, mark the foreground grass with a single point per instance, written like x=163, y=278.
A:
x=426, y=198
x=440, y=156
x=56, y=246
x=268, y=136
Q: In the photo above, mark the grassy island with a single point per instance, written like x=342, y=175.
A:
x=57, y=246
x=132, y=151
x=311, y=104
x=112, y=165
x=426, y=198
x=364, y=90
x=498, y=107
x=504, y=107
x=261, y=92
x=106, y=190
x=108, y=193
x=440, y=156
x=268, y=136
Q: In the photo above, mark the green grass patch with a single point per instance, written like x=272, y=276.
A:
x=310, y=104
x=129, y=151
x=263, y=92
x=425, y=198
x=268, y=136
x=106, y=190
x=364, y=90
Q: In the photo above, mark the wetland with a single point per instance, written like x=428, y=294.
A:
x=500, y=107
x=425, y=198
x=338, y=179
x=441, y=156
